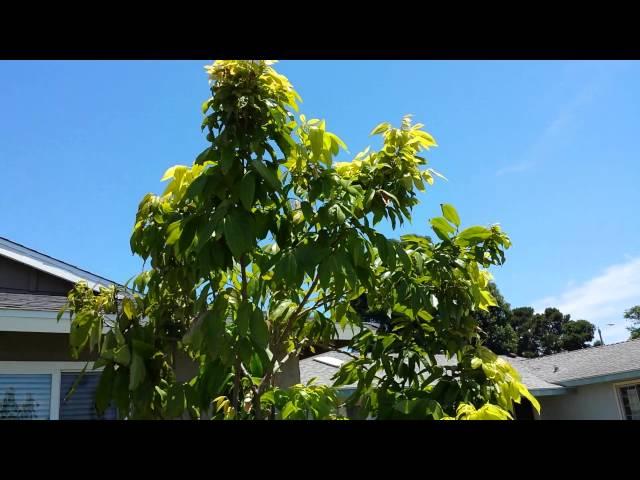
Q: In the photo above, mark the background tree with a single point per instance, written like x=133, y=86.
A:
x=549, y=332
x=633, y=314
x=576, y=334
x=256, y=251
x=549, y=328
x=495, y=323
x=524, y=323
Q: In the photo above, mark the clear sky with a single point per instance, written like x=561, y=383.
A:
x=549, y=150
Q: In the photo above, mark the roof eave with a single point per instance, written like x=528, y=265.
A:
x=50, y=265
x=550, y=392
x=611, y=377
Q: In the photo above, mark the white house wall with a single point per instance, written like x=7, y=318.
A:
x=589, y=402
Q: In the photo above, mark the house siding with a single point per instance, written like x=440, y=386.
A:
x=37, y=347
x=589, y=402
x=18, y=278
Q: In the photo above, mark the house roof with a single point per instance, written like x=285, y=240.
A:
x=31, y=302
x=589, y=365
x=50, y=265
x=323, y=371
x=538, y=386
x=549, y=375
x=315, y=367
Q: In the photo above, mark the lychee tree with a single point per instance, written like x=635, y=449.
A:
x=255, y=252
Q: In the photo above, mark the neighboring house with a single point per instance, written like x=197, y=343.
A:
x=597, y=383
x=36, y=368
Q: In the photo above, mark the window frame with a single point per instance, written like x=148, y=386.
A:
x=618, y=394
x=55, y=369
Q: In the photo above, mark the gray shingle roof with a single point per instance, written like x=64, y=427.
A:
x=529, y=378
x=314, y=367
x=27, y=301
x=567, y=368
x=537, y=374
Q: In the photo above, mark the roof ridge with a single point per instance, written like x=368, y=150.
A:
x=588, y=349
x=58, y=260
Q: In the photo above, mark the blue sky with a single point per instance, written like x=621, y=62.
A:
x=547, y=149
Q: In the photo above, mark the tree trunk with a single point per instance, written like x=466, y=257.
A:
x=289, y=373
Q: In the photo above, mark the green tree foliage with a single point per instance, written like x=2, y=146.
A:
x=576, y=334
x=633, y=314
x=256, y=250
x=495, y=323
x=549, y=332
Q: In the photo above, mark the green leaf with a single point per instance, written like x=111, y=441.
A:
x=287, y=268
x=336, y=214
x=176, y=401
x=383, y=127
x=259, y=329
x=372, y=194
x=207, y=154
x=121, y=389
x=242, y=318
x=138, y=372
x=474, y=234
x=288, y=410
x=103, y=391
x=227, y=158
x=205, y=105
x=122, y=355
x=255, y=367
x=269, y=176
x=245, y=350
x=247, y=190
x=441, y=227
x=283, y=311
x=450, y=214
x=316, y=137
x=79, y=335
x=268, y=397
x=308, y=256
x=174, y=230
x=307, y=211
x=239, y=232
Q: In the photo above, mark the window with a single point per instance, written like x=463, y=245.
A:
x=25, y=397
x=630, y=401
x=80, y=405
x=37, y=391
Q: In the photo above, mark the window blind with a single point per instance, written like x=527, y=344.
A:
x=25, y=396
x=631, y=401
x=81, y=404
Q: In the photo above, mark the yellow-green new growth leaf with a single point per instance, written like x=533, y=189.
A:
x=524, y=391
x=383, y=127
x=128, y=308
x=450, y=213
x=172, y=171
